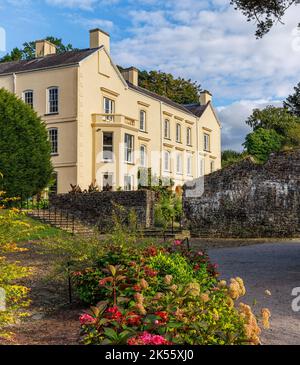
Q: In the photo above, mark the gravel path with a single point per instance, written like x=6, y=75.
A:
x=274, y=267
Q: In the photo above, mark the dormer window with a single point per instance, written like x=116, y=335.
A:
x=28, y=97
x=53, y=100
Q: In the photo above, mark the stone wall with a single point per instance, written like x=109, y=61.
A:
x=249, y=200
x=97, y=208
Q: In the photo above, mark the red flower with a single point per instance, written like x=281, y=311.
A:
x=151, y=251
x=86, y=319
x=177, y=243
x=113, y=313
x=136, y=288
x=133, y=319
x=164, y=317
x=150, y=272
x=104, y=281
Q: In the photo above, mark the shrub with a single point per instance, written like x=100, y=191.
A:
x=15, y=295
x=162, y=295
x=24, y=148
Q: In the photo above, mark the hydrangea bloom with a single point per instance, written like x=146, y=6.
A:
x=147, y=338
x=86, y=319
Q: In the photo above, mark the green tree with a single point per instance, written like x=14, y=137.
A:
x=292, y=103
x=229, y=157
x=262, y=142
x=24, y=148
x=180, y=90
x=28, y=50
x=278, y=119
x=177, y=89
x=265, y=13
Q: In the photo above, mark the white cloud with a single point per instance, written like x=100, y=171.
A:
x=215, y=47
x=233, y=119
x=90, y=23
x=81, y=4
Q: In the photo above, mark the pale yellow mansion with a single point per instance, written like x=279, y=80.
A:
x=103, y=127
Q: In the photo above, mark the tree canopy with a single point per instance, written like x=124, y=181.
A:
x=28, y=50
x=292, y=103
x=24, y=148
x=262, y=142
x=265, y=13
x=180, y=90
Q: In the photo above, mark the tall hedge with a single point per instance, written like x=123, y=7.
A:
x=24, y=148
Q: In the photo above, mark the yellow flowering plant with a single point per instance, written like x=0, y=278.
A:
x=14, y=296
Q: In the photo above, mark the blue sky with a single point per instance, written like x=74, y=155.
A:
x=205, y=40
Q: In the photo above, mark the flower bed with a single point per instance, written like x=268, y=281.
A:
x=162, y=296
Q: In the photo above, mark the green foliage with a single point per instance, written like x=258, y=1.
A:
x=265, y=13
x=24, y=149
x=262, y=142
x=180, y=268
x=177, y=89
x=230, y=157
x=28, y=50
x=292, y=103
x=162, y=296
x=279, y=119
x=274, y=129
x=10, y=272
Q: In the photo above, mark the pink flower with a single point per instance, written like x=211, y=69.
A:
x=178, y=243
x=86, y=319
x=147, y=338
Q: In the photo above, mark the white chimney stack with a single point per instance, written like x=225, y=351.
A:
x=205, y=97
x=99, y=38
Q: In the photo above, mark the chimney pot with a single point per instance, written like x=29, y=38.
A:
x=99, y=38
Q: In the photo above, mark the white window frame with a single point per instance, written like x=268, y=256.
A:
x=53, y=142
x=52, y=104
x=143, y=155
x=167, y=161
x=212, y=166
x=206, y=141
x=189, y=164
x=28, y=101
x=131, y=183
x=167, y=128
x=107, y=146
x=143, y=120
x=178, y=133
x=129, y=149
x=108, y=108
x=189, y=136
x=179, y=164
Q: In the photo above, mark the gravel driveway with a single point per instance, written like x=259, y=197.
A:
x=272, y=266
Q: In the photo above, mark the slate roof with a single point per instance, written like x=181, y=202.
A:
x=57, y=60
x=196, y=109
x=74, y=57
x=160, y=98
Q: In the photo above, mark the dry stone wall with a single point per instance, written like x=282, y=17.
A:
x=249, y=200
x=97, y=208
